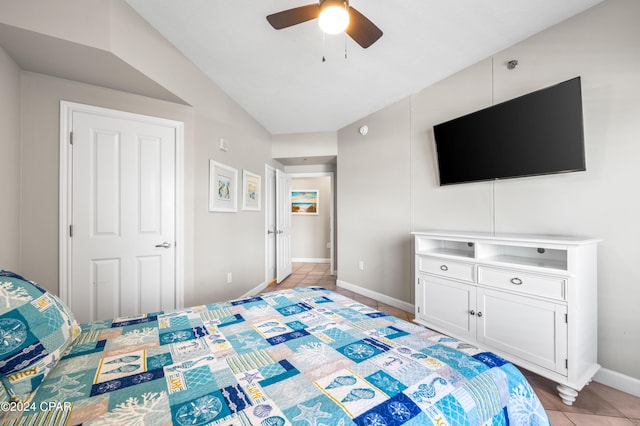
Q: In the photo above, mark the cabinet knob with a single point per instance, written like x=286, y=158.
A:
x=516, y=281
x=479, y=314
x=472, y=312
x=444, y=268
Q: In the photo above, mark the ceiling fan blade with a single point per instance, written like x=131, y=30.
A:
x=297, y=15
x=361, y=29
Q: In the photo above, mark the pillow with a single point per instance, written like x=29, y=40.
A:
x=35, y=330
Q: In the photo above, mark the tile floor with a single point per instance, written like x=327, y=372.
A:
x=597, y=404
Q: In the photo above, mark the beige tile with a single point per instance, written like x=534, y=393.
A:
x=583, y=419
x=557, y=418
x=392, y=311
x=284, y=285
x=305, y=268
x=365, y=300
x=327, y=282
x=627, y=404
x=547, y=393
x=346, y=293
x=410, y=316
x=589, y=402
x=296, y=276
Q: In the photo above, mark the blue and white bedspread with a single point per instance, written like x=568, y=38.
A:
x=306, y=356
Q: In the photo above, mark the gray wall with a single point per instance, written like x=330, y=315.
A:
x=9, y=163
x=374, y=188
x=311, y=233
x=393, y=171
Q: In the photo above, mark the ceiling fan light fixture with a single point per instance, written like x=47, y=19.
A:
x=334, y=17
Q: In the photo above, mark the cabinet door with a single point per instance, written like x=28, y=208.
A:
x=531, y=329
x=448, y=305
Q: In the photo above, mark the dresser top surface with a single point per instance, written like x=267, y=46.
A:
x=490, y=236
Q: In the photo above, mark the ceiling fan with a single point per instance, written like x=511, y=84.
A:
x=330, y=12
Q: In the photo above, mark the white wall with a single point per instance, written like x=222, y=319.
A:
x=397, y=158
x=10, y=163
x=295, y=145
x=311, y=233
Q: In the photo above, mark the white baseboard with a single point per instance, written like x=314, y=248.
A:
x=310, y=260
x=255, y=290
x=618, y=381
x=391, y=301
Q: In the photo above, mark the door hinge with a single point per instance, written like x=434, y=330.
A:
x=418, y=309
x=70, y=231
x=566, y=363
x=71, y=138
x=566, y=318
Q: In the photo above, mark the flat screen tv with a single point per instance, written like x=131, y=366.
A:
x=535, y=134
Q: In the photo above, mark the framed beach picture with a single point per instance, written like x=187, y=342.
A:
x=304, y=201
x=223, y=187
x=251, y=184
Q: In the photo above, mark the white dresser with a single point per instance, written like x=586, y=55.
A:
x=530, y=299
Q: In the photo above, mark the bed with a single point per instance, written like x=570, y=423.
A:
x=305, y=356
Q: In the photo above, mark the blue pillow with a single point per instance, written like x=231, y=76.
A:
x=35, y=330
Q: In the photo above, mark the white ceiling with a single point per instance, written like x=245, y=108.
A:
x=279, y=78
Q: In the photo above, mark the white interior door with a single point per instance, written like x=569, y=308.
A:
x=123, y=216
x=283, y=225
x=270, y=224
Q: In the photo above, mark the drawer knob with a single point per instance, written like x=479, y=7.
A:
x=516, y=281
x=472, y=312
x=444, y=268
x=479, y=314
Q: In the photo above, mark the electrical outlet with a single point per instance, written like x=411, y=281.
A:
x=361, y=265
x=229, y=277
x=223, y=144
x=328, y=245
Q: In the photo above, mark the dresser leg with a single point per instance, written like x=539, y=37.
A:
x=567, y=395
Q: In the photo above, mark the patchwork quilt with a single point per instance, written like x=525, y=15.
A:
x=305, y=356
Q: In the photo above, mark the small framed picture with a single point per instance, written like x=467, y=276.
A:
x=251, y=184
x=223, y=187
x=304, y=201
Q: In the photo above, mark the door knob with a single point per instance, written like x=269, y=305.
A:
x=166, y=244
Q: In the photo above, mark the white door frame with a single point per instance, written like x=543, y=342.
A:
x=331, y=176
x=283, y=225
x=66, y=113
x=270, y=200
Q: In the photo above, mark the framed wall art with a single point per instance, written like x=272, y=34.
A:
x=251, y=184
x=304, y=201
x=223, y=187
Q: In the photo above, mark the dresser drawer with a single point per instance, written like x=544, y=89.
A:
x=539, y=285
x=446, y=268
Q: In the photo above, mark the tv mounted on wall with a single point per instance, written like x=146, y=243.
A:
x=535, y=134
